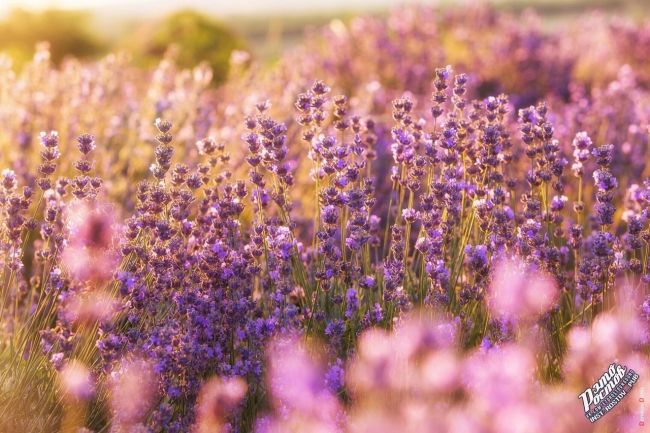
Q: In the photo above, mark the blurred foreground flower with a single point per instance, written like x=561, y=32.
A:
x=90, y=307
x=217, y=400
x=76, y=381
x=92, y=228
x=300, y=397
x=520, y=290
x=133, y=390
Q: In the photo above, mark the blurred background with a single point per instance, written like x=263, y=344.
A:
x=210, y=30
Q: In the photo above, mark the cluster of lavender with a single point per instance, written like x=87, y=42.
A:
x=371, y=60
x=134, y=273
x=415, y=379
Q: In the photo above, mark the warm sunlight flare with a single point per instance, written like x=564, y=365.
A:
x=353, y=218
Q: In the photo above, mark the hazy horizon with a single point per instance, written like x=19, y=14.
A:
x=221, y=7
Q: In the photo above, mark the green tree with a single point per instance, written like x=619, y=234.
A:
x=68, y=32
x=197, y=38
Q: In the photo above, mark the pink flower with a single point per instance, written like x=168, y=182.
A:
x=133, y=390
x=518, y=290
x=76, y=381
x=297, y=379
x=96, y=305
x=89, y=264
x=498, y=377
x=88, y=255
x=218, y=398
x=301, y=399
x=91, y=226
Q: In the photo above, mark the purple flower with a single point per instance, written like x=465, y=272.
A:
x=605, y=180
x=335, y=376
x=351, y=303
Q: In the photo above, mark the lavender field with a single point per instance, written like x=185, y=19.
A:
x=436, y=220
